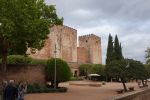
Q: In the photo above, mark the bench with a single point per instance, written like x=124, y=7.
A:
x=141, y=86
x=120, y=91
x=131, y=88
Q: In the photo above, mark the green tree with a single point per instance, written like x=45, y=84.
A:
x=120, y=53
x=109, y=55
x=137, y=70
x=63, y=72
x=147, y=67
x=98, y=69
x=147, y=56
x=85, y=69
x=118, y=68
x=117, y=49
x=24, y=24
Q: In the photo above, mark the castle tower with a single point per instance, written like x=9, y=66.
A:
x=65, y=39
x=92, y=44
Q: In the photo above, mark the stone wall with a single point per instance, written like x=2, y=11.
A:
x=139, y=95
x=64, y=39
x=92, y=44
x=82, y=55
x=28, y=73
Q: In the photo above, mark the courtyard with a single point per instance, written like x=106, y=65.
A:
x=77, y=92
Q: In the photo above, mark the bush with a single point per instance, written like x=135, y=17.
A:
x=38, y=62
x=63, y=72
x=35, y=88
x=84, y=69
x=76, y=78
x=18, y=59
x=21, y=59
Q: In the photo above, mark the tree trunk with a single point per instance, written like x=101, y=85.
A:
x=4, y=56
x=52, y=84
x=124, y=85
x=57, y=84
x=143, y=82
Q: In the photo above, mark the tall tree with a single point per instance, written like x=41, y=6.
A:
x=120, y=52
x=147, y=56
x=116, y=48
x=109, y=55
x=24, y=24
x=117, y=68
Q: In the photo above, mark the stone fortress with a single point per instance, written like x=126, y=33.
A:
x=64, y=39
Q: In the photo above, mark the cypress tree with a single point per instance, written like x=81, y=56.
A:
x=116, y=49
x=121, y=55
x=109, y=55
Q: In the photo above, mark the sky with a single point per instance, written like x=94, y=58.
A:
x=129, y=19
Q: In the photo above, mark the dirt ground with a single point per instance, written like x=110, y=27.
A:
x=83, y=92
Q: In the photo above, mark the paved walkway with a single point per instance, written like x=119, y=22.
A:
x=82, y=92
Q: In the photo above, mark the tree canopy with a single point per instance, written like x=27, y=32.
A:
x=117, y=49
x=117, y=68
x=126, y=69
x=24, y=24
x=63, y=72
x=109, y=55
x=114, y=50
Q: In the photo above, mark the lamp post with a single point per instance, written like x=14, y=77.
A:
x=55, y=68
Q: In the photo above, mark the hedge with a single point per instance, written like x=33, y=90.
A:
x=21, y=59
x=43, y=89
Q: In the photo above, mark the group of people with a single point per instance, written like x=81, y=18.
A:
x=11, y=91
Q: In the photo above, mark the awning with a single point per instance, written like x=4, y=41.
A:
x=90, y=75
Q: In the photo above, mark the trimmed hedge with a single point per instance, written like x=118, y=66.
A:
x=21, y=59
x=35, y=88
x=76, y=78
x=18, y=59
x=38, y=62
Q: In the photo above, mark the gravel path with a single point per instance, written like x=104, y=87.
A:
x=82, y=92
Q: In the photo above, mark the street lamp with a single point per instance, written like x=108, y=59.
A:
x=55, y=68
x=0, y=24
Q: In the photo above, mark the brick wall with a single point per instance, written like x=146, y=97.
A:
x=82, y=55
x=92, y=44
x=28, y=73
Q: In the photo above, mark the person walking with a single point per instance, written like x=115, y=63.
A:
x=21, y=91
x=10, y=92
x=4, y=85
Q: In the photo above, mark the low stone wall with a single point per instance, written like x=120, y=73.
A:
x=28, y=73
x=138, y=95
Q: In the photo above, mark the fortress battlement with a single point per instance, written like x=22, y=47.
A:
x=65, y=37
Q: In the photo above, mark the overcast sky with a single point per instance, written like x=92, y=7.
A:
x=129, y=19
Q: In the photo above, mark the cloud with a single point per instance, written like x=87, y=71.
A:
x=129, y=19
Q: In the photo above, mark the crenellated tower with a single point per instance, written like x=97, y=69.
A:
x=92, y=44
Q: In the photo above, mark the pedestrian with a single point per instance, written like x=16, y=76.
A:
x=10, y=92
x=21, y=91
x=4, y=85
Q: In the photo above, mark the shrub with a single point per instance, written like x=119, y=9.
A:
x=76, y=78
x=18, y=59
x=21, y=59
x=84, y=69
x=63, y=72
x=38, y=61
x=35, y=88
